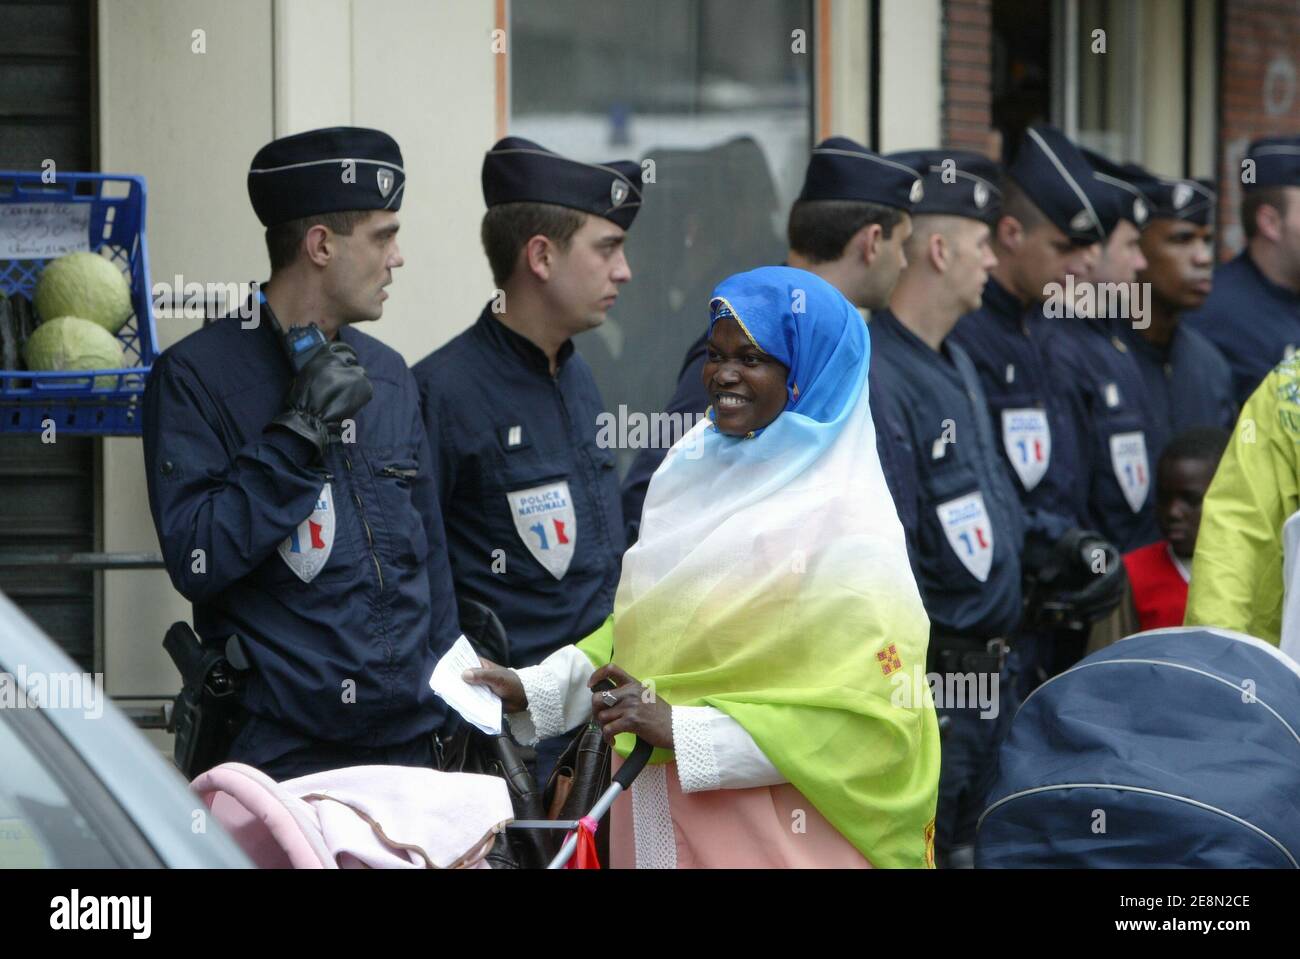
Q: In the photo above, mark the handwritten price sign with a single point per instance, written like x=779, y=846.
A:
x=42, y=231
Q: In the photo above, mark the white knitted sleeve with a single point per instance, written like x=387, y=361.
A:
x=713, y=751
x=557, y=694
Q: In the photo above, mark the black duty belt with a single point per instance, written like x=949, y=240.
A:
x=966, y=654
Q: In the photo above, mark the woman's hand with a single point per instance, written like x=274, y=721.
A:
x=636, y=709
x=504, y=682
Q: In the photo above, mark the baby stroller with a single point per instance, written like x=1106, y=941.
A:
x=1171, y=748
x=383, y=816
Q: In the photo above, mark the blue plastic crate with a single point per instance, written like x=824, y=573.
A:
x=71, y=399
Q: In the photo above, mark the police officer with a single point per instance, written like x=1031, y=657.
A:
x=848, y=226
x=288, y=476
x=1107, y=399
x=965, y=550
x=1189, y=384
x=1253, y=311
x=530, y=500
x=1048, y=229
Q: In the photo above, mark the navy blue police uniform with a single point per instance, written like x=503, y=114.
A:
x=534, y=524
x=1107, y=394
x=330, y=566
x=530, y=499
x=1029, y=406
x=1254, y=322
x=965, y=546
x=839, y=169
x=1189, y=383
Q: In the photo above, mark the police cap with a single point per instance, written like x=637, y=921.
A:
x=516, y=170
x=955, y=183
x=1056, y=177
x=1175, y=199
x=1277, y=162
x=326, y=171
x=841, y=169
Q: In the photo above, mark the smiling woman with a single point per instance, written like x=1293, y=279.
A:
x=763, y=619
x=745, y=385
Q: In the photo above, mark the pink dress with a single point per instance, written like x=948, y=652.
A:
x=762, y=827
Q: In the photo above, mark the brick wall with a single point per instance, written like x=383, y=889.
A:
x=1259, y=82
x=967, y=65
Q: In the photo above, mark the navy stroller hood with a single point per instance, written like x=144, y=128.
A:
x=1174, y=747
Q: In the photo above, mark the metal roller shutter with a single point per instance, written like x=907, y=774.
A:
x=47, y=491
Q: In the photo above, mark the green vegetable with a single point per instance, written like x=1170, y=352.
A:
x=71, y=343
x=85, y=285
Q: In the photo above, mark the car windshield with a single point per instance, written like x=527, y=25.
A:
x=41, y=826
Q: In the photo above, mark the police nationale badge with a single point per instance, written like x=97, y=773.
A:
x=965, y=522
x=981, y=196
x=1128, y=457
x=1027, y=438
x=307, y=549
x=617, y=193
x=384, y=177
x=546, y=522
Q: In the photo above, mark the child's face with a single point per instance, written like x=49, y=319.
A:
x=1180, y=487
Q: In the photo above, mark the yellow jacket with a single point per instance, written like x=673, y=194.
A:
x=1237, y=568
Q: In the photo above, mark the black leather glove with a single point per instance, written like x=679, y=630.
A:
x=1080, y=580
x=330, y=388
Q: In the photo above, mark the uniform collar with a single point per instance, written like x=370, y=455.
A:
x=1002, y=303
x=501, y=337
x=1279, y=292
x=890, y=322
x=1145, y=347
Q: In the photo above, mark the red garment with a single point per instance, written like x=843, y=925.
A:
x=1159, y=590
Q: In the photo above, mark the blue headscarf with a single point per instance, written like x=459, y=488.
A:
x=805, y=323
x=798, y=318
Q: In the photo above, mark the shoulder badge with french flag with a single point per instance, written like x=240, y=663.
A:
x=1027, y=439
x=307, y=549
x=965, y=523
x=545, y=520
x=1128, y=457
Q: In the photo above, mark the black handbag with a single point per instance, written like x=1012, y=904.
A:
x=580, y=776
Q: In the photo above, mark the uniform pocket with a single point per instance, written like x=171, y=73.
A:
x=393, y=471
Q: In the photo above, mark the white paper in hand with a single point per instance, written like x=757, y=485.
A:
x=477, y=704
